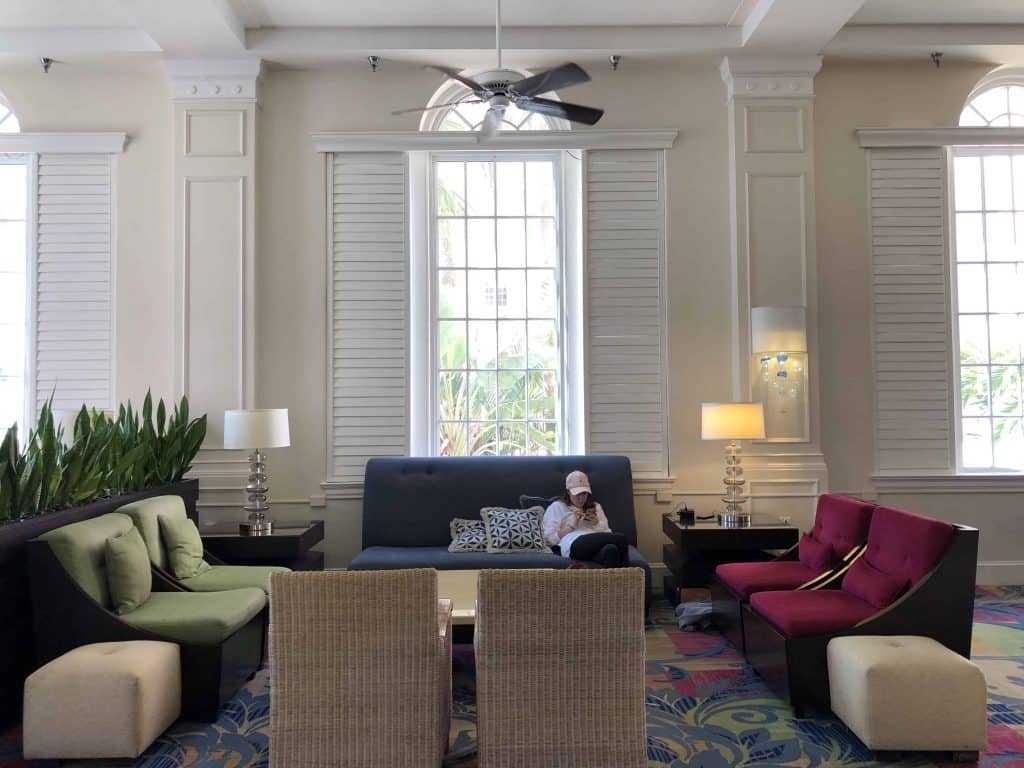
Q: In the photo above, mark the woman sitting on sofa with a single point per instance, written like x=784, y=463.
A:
x=577, y=525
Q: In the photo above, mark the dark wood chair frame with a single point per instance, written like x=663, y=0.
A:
x=939, y=606
x=65, y=617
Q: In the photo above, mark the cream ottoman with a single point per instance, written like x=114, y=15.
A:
x=907, y=693
x=102, y=700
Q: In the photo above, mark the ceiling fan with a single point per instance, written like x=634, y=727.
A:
x=523, y=93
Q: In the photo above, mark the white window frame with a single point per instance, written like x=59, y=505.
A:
x=28, y=382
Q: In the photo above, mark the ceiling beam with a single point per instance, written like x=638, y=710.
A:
x=56, y=42
x=861, y=39
x=190, y=27
x=796, y=26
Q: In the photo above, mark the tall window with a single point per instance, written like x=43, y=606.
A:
x=498, y=310
x=988, y=188
x=13, y=288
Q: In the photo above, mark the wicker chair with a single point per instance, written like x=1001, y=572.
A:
x=360, y=669
x=560, y=669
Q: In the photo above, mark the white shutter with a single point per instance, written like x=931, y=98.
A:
x=368, y=391
x=626, y=307
x=911, y=335
x=73, y=282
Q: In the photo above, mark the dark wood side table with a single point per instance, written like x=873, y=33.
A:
x=289, y=545
x=695, y=550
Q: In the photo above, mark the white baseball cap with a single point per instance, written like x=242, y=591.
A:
x=577, y=482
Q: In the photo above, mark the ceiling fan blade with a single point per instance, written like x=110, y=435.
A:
x=574, y=112
x=436, y=106
x=473, y=85
x=551, y=80
x=491, y=123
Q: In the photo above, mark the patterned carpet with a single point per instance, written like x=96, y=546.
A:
x=705, y=708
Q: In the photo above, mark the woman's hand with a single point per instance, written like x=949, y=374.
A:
x=588, y=515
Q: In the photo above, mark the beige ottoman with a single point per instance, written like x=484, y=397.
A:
x=102, y=700
x=907, y=693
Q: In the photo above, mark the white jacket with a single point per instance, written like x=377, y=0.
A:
x=560, y=514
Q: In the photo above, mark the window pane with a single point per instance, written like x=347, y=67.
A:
x=973, y=339
x=977, y=447
x=12, y=353
x=512, y=343
x=12, y=392
x=1005, y=380
x=999, y=237
x=480, y=189
x=990, y=103
x=543, y=347
x=1005, y=292
x=451, y=191
x=512, y=290
x=1009, y=443
x=480, y=234
x=1016, y=105
x=511, y=243
x=482, y=395
x=1007, y=335
x=483, y=439
x=540, y=242
x=543, y=401
x=451, y=293
x=451, y=242
x=540, y=189
x=451, y=344
x=510, y=189
x=972, y=294
x=543, y=438
x=12, y=298
x=452, y=439
x=512, y=395
x=451, y=395
x=974, y=391
x=970, y=238
x=483, y=298
x=512, y=439
x=13, y=191
x=12, y=246
x=997, y=183
x=967, y=176
x=543, y=299
x=483, y=344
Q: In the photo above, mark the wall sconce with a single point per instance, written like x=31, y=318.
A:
x=778, y=337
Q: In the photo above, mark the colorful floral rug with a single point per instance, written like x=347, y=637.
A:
x=705, y=708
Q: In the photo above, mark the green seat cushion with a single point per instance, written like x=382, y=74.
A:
x=146, y=515
x=129, y=573
x=201, y=618
x=184, y=547
x=218, y=578
x=82, y=549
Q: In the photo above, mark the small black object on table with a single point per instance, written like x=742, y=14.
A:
x=696, y=549
x=289, y=544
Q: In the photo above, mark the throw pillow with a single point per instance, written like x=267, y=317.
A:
x=814, y=554
x=184, y=547
x=871, y=585
x=526, y=501
x=468, y=536
x=129, y=574
x=514, y=530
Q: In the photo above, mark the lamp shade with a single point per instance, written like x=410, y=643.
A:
x=260, y=428
x=778, y=329
x=731, y=421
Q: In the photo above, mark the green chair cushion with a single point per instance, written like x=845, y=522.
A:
x=184, y=547
x=146, y=515
x=221, y=577
x=82, y=549
x=129, y=573
x=201, y=618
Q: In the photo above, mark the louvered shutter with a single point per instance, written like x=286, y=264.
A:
x=73, y=282
x=626, y=307
x=911, y=339
x=369, y=309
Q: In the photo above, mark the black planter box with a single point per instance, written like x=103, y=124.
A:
x=16, y=644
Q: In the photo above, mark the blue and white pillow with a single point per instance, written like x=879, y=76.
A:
x=514, y=530
x=468, y=536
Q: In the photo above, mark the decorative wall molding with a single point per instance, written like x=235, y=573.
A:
x=782, y=77
x=88, y=143
x=410, y=141
x=938, y=137
x=219, y=79
x=943, y=484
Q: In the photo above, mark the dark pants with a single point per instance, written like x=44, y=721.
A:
x=609, y=549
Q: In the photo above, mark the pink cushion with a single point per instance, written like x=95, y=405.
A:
x=871, y=585
x=904, y=545
x=811, y=612
x=842, y=521
x=816, y=555
x=744, y=579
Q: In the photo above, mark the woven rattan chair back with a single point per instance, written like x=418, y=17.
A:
x=560, y=669
x=357, y=670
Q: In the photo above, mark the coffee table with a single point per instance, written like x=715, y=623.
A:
x=460, y=588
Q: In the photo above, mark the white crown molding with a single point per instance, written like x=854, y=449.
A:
x=107, y=143
x=777, y=77
x=938, y=137
x=213, y=79
x=948, y=483
x=410, y=141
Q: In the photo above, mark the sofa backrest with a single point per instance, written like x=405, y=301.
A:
x=906, y=545
x=82, y=549
x=146, y=514
x=842, y=521
x=409, y=502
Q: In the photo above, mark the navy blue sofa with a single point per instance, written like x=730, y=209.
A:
x=408, y=504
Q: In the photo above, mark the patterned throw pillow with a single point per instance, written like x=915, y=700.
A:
x=468, y=536
x=514, y=530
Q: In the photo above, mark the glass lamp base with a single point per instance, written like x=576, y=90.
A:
x=734, y=520
x=256, y=525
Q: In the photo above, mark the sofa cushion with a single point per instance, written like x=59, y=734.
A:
x=744, y=579
x=842, y=522
x=526, y=501
x=129, y=573
x=146, y=515
x=871, y=585
x=202, y=618
x=514, y=530
x=218, y=578
x=387, y=558
x=184, y=547
x=468, y=536
x=904, y=545
x=816, y=555
x=811, y=612
x=82, y=549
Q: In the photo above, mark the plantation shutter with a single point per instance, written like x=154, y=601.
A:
x=911, y=338
x=73, y=282
x=369, y=310
x=626, y=307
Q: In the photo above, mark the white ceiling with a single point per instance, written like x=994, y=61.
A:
x=63, y=13
x=941, y=12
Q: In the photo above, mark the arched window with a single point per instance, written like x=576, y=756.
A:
x=8, y=120
x=468, y=116
x=997, y=101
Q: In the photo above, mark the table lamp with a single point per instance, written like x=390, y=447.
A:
x=732, y=422
x=254, y=430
